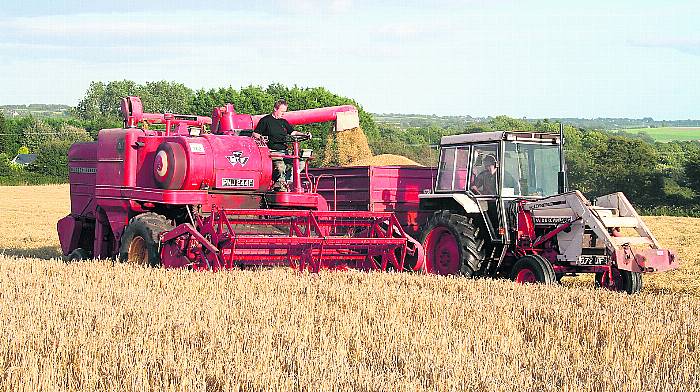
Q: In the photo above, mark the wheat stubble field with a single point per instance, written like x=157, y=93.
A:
x=98, y=326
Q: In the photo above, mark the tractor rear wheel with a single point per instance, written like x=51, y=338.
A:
x=624, y=281
x=452, y=245
x=533, y=269
x=140, y=242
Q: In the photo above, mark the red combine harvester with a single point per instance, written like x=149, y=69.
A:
x=184, y=196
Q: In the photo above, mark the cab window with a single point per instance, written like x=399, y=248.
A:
x=453, y=174
x=483, y=178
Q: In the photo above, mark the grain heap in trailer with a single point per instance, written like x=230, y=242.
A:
x=197, y=193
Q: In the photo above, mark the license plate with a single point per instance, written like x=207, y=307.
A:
x=237, y=183
x=593, y=260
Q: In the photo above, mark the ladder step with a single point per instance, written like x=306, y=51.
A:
x=620, y=221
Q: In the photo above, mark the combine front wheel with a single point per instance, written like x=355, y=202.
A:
x=452, y=245
x=619, y=280
x=141, y=239
x=77, y=254
x=533, y=269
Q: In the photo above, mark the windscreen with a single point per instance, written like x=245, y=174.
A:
x=531, y=169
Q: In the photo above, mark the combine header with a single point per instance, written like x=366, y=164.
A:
x=164, y=190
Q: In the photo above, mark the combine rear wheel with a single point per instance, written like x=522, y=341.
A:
x=533, y=269
x=140, y=243
x=452, y=245
x=619, y=280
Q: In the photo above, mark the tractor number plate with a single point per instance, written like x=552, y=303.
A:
x=593, y=260
x=237, y=183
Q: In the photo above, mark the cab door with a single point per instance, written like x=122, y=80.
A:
x=484, y=184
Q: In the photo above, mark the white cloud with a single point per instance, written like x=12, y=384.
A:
x=134, y=24
x=334, y=7
x=689, y=45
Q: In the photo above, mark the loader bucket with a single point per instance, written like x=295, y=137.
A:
x=304, y=240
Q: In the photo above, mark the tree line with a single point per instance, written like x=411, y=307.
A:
x=659, y=177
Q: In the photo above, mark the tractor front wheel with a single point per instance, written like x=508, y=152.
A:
x=533, y=269
x=619, y=280
x=452, y=245
x=140, y=242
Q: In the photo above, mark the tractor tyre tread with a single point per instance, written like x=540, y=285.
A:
x=471, y=246
x=631, y=281
x=545, y=273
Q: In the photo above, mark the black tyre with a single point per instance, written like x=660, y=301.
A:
x=140, y=242
x=623, y=281
x=452, y=245
x=77, y=254
x=533, y=269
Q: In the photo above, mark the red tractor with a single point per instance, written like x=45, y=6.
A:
x=498, y=206
x=179, y=194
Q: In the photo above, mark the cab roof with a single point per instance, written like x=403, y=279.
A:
x=480, y=137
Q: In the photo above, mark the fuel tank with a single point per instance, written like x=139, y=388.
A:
x=226, y=162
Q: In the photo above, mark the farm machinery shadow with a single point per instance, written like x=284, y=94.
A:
x=41, y=252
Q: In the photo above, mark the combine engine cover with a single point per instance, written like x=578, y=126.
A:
x=209, y=162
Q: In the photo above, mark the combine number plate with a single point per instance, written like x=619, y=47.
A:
x=237, y=183
x=593, y=260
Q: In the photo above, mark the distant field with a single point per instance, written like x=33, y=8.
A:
x=668, y=134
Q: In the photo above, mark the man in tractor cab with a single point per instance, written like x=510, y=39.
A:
x=485, y=182
x=276, y=129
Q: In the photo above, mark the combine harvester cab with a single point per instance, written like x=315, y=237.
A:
x=164, y=190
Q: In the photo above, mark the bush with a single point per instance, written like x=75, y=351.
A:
x=52, y=159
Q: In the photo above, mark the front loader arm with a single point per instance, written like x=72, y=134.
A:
x=602, y=223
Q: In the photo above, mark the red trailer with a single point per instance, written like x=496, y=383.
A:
x=392, y=189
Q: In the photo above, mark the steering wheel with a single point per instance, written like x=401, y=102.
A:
x=298, y=138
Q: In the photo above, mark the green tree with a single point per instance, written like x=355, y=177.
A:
x=165, y=97
x=691, y=173
x=36, y=133
x=505, y=123
x=73, y=134
x=104, y=100
x=90, y=106
x=52, y=159
x=11, y=138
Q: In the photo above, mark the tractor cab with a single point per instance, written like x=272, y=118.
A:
x=500, y=164
x=486, y=172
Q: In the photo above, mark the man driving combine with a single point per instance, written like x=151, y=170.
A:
x=276, y=128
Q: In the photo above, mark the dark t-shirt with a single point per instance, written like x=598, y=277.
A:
x=276, y=130
x=485, y=183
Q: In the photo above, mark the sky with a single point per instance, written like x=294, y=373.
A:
x=533, y=59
